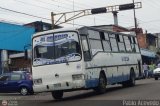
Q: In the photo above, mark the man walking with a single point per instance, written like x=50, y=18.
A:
x=145, y=68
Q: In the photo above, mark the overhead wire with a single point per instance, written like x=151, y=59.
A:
x=50, y=9
x=41, y=6
x=102, y=19
x=99, y=17
x=26, y=3
x=23, y=13
x=33, y=15
x=53, y=4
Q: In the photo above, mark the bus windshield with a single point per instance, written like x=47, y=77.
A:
x=56, y=48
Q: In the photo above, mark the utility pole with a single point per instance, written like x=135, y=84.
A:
x=69, y=16
x=135, y=19
x=115, y=17
x=52, y=19
x=74, y=12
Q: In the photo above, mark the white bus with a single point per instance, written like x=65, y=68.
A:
x=83, y=58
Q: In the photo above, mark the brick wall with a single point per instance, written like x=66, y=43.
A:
x=19, y=63
x=142, y=40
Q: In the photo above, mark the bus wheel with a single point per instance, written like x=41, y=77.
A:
x=156, y=78
x=57, y=95
x=131, y=81
x=102, y=84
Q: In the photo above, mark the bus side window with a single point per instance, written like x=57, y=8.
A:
x=120, y=43
x=113, y=42
x=105, y=42
x=127, y=44
x=95, y=41
x=86, y=50
x=136, y=44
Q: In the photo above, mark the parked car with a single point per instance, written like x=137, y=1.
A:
x=16, y=82
x=156, y=73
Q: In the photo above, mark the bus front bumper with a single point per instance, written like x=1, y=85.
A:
x=77, y=84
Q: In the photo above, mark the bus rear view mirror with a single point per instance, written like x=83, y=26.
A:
x=85, y=45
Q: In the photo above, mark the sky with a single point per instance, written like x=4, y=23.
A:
x=148, y=16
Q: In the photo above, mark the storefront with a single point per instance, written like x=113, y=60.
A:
x=148, y=56
x=13, y=40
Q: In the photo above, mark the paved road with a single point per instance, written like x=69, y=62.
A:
x=146, y=89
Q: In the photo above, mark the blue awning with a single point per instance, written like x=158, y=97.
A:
x=14, y=37
x=148, y=53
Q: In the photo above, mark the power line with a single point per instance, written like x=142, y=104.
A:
x=53, y=4
x=11, y=21
x=26, y=3
x=24, y=13
x=37, y=16
x=151, y=2
x=40, y=6
x=35, y=5
x=71, y=3
x=33, y=15
x=52, y=10
x=76, y=6
x=150, y=21
x=81, y=3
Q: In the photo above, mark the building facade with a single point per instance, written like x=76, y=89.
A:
x=13, y=39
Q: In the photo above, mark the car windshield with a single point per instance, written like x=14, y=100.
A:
x=56, y=48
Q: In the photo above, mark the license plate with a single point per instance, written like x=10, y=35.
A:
x=57, y=85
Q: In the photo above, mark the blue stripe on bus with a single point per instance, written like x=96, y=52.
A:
x=92, y=83
x=112, y=80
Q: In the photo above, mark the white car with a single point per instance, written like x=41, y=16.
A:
x=156, y=73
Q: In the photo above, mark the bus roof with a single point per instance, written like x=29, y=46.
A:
x=78, y=28
x=56, y=30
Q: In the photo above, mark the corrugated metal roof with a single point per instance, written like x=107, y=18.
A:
x=14, y=37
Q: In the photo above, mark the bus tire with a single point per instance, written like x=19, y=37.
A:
x=156, y=78
x=131, y=81
x=101, y=88
x=57, y=95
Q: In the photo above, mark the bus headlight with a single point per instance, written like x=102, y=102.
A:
x=78, y=77
x=37, y=81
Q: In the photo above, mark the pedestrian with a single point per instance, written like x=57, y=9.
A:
x=151, y=68
x=145, y=68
